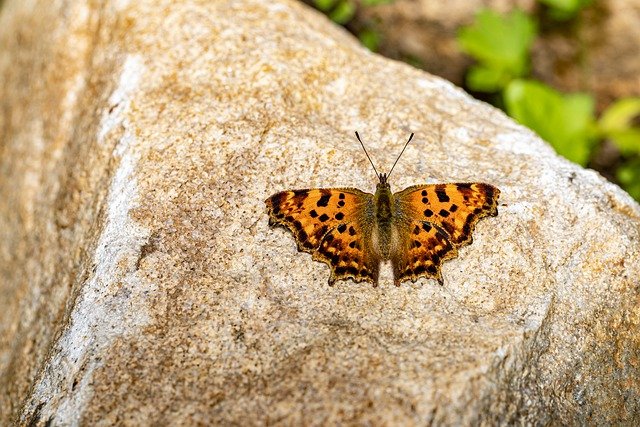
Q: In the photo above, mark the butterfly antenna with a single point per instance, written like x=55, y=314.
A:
x=405, y=146
x=365, y=152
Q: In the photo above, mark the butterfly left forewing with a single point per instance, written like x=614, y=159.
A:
x=330, y=224
x=309, y=214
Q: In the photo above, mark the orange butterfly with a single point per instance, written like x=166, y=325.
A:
x=353, y=232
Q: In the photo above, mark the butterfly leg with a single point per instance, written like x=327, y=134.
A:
x=397, y=275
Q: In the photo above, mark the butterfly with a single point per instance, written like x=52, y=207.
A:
x=417, y=229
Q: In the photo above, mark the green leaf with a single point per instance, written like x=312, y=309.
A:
x=565, y=121
x=565, y=9
x=500, y=43
x=629, y=177
x=616, y=124
x=483, y=79
x=324, y=5
x=343, y=12
x=370, y=38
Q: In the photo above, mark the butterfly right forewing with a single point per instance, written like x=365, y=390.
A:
x=438, y=219
x=456, y=208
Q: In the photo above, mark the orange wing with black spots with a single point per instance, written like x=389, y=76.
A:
x=349, y=254
x=456, y=208
x=440, y=219
x=328, y=223
x=352, y=231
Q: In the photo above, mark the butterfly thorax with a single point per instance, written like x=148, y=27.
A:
x=383, y=233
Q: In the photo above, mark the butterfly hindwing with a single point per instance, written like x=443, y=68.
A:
x=424, y=248
x=346, y=250
x=456, y=208
x=327, y=222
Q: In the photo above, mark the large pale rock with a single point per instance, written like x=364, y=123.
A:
x=142, y=285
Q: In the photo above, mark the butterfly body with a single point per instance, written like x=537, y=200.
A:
x=416, y=229
x=384, y=232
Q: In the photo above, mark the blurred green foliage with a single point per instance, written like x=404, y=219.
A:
x=628, y=174
x=500, y=44
x=343, y=12
x=339, y=11
x=370, y=38
x=566, y=121
x=563, y=10
x=617, y=124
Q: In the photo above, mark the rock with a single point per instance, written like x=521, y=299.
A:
x=598, y=52
x=141, y=283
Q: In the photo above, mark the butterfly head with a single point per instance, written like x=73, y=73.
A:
x=383, y=181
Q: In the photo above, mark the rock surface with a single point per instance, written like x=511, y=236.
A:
x=141, y=283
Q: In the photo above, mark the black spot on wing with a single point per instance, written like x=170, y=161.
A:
x=324, y=200
x=324, y=217
x=442, y=195
x=419, y=269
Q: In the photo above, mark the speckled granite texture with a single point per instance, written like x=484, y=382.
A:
x=141, y=284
